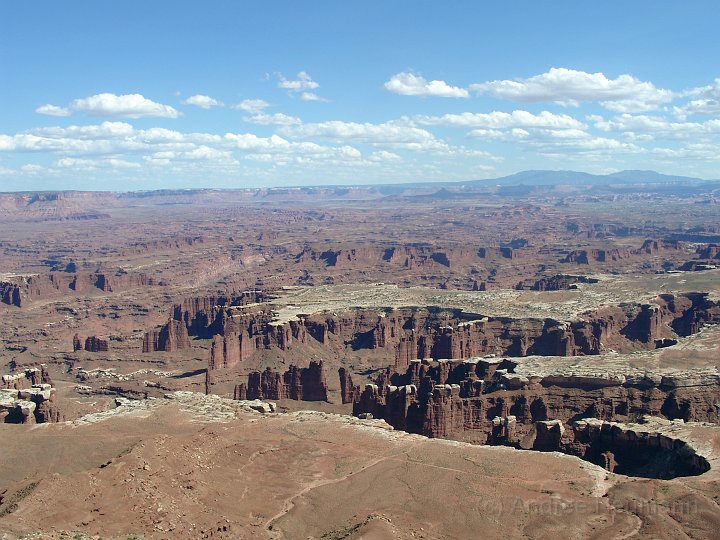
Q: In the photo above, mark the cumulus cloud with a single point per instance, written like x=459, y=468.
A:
x=388, y=133
x=708, y=107
x=409, y=84
x=277, y=119
x=53, y=110
x=104, y=130
x=657, y=126
x=302, y=86
x=571, y=87
x=204, y=102
x=123, y=106
x=32, y=168
x=303, y=82
x=384, y=156
x=707, y=102
x=93, y=164
x=501, y=120
x=252, y=106
x=711, y=90
x=311, y=96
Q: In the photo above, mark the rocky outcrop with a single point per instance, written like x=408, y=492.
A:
x=710, y=251
x=28, y=397
x=590, y=256
x=77, y=343
x=696, y=266
x=96, y=344
x=473, y=399
x=647, y=450
x=442, y=333
x=348, y=391
x=122, y=281
x=229, y=350
x=171, y=337
x=305, y=384
x=205, y=316
x=558, y=282
x=10, y=293
x=18, y=292
x=139, y=248
x=428, y=334
x=404, y=256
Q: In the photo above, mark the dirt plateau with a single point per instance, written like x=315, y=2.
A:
x=208, y=467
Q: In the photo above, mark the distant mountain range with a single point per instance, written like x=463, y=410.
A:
x=519, y=183
x=549, y=178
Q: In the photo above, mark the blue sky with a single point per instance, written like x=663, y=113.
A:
x=143, y=95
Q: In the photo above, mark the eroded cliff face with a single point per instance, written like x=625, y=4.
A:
x=406, y=257
x=171, y=337
x=407, y=334
x=28, y=397
x=23, y=290
x=593, y=256
x=647, y=449
x=205, y=316
x=305, y=384
x=558, y=282
x=473, y=400
x=348, y=391
x=96, y=344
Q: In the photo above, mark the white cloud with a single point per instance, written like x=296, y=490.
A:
x=311, y=96
x=658, y=126
x=205, y=152
x=409, y=84
x=488, y=133
x=708, y=102
x=94, y=164
x=31, y=168
x=52, y=110
x=99, y=131
x=546, y=142
x=500, y=120
x=302, y=86
x=698, y=151
x=125, y=106
x=698, y=106
x=253, y=106
x=303, y=82
x=711, y=90
x=277, y=119
x=204, y=102
x=384, y=156
x=122, y=164
x=387, y=133
x=571, y=87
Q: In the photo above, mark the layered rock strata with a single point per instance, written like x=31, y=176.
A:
x=28, y=397
x=473, y=399
x=305, y=384
x=171, y=337
x=348, y=391
x=96, y=344
x=438, y=333
x=23, y=290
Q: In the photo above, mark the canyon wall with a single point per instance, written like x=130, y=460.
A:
x=305, y=384
x=433, y=333
x=472, y=400
x=171, y=337
x=23, y=290
x=28, y=397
